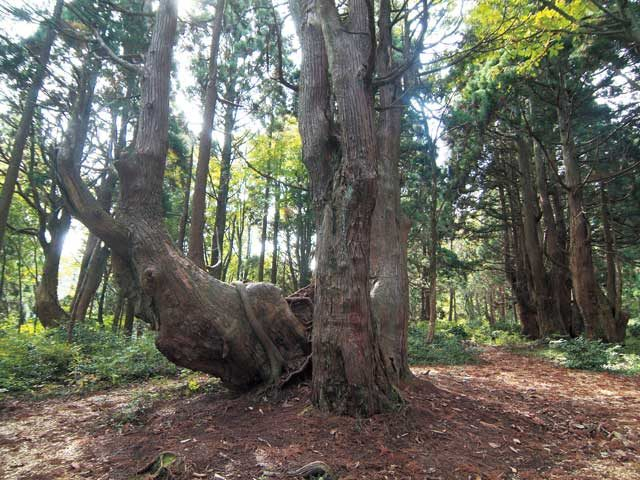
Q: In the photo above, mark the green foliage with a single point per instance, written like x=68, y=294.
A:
x=633, y=328
x=446, y=349
x=584, y=354
x=96, y=358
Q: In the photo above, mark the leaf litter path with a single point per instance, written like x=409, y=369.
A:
x=509, y=417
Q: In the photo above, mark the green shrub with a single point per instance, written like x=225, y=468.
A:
x=459, y=331
x=633, y=328
x=446, y=349
x=584, y=354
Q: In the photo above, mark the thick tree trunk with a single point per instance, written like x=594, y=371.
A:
x=22, y=133
x=198, y=203
x=549, y=316
x=390, y=284
x=599, y=320
x=223, y=190
x=47, y=305
x=349, y=375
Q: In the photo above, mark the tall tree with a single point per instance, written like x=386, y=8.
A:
x=198, y=203
x=22, y=133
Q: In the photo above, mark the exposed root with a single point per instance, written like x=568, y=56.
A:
x=314, y=469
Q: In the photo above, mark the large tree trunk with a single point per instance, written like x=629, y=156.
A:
x=560, y=280
x=29, y=107
x=198, y=203
x=246, y=335
x=348, y=373
x=599, y=320
x=390, y=284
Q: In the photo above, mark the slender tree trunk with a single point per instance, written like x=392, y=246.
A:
x=103, y=294
x=20, y=140
x=21, y=316
x=198, y=203
x=263, y=235
x=223, y=190
x=433, y=251
x=613, y=295
x=184, y=217
x=276, y=232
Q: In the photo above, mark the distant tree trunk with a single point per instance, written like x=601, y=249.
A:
x=433, y=251
x=223, y=190
x=276, y=232
x=129, y=317
x=263, y=235
x=613, y=295
x=91, y=282
x=198, y=203
x=117, y=312
x=21, y=316
x=184, y=217
x=47, y=306
x=28, y=109
x=549, y=316
x=560, y=281
x=599, y=320
x=452, y=299
x=103, y=294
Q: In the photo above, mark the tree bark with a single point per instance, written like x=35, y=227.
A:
x=198, y=203
x=390, y=283
x=17, y=150
x=349, y=375
x=263, y=234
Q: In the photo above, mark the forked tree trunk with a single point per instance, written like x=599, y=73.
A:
x=246, y=335
x=349, y=375
x=560, y=280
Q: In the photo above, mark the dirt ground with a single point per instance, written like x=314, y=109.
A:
x=510, y=417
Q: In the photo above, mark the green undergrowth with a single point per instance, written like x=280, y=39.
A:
x=583, y=354
x=44, y=362
x=447, y=348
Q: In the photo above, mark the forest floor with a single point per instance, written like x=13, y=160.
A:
x=508, y=417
